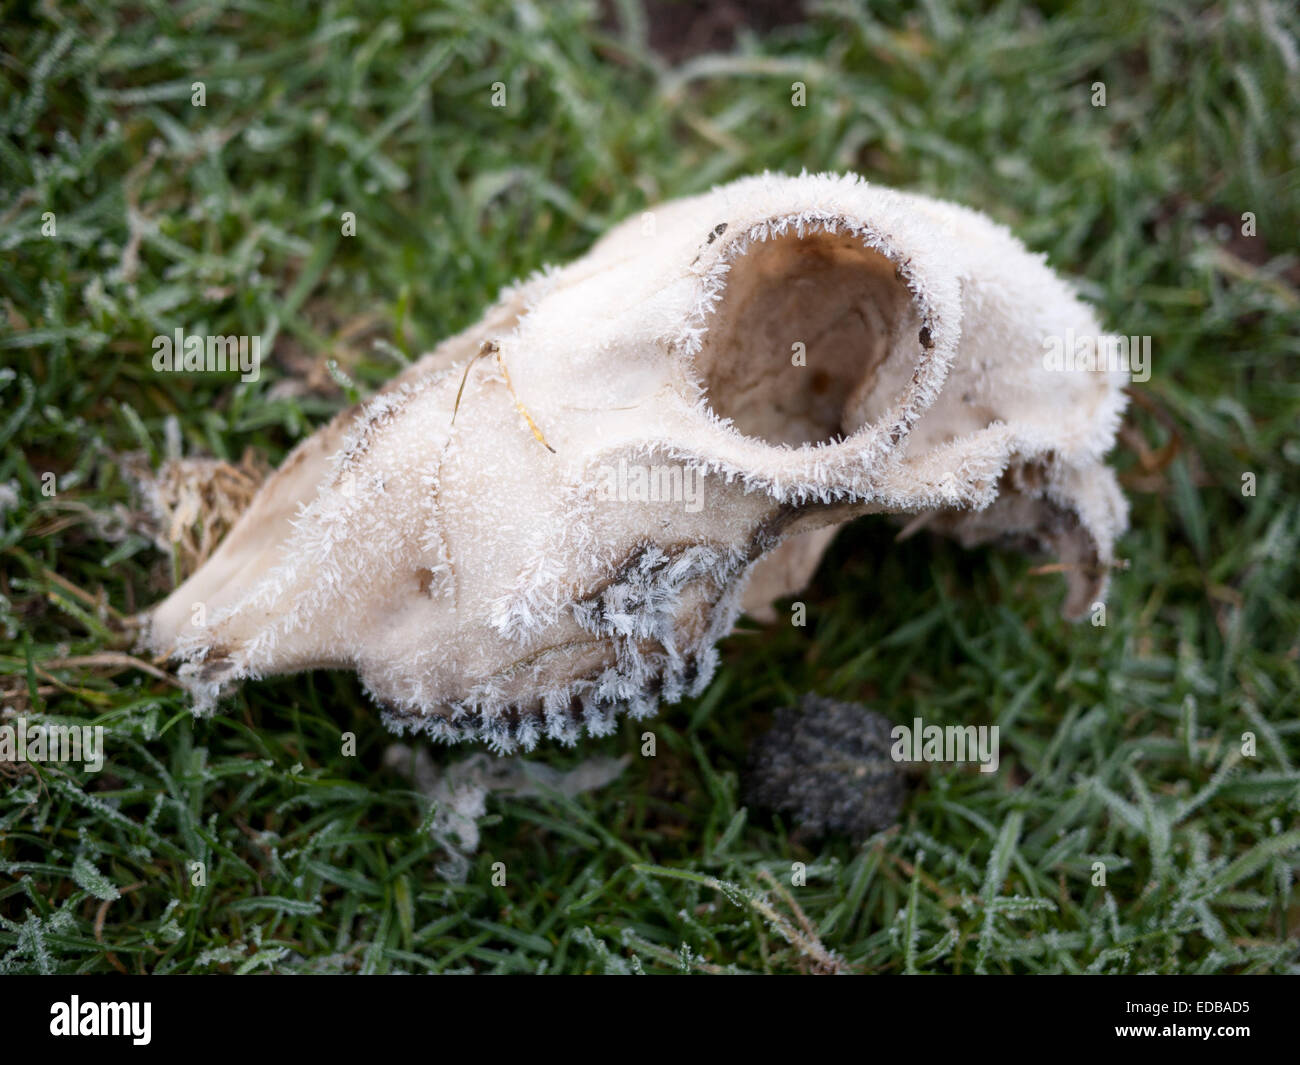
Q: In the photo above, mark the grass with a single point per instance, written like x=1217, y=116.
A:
x=1121, y=744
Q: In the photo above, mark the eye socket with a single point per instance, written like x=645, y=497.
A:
x=814, y=337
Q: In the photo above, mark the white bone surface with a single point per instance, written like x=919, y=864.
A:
x=483, y=586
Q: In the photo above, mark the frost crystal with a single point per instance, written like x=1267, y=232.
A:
x=828, y=765
x=487, y=586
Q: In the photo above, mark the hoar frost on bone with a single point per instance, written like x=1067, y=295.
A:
x=483, y=587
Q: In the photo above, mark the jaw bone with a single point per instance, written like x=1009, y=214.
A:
x=799, y=350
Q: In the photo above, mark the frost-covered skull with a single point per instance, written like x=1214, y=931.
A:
x=658, y=436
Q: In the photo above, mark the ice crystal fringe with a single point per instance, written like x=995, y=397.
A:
x=484, y=590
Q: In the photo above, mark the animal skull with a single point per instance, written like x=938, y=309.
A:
x=666, y=431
